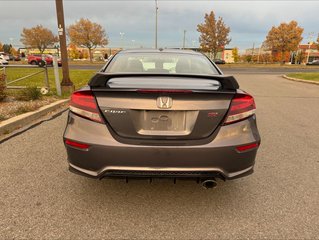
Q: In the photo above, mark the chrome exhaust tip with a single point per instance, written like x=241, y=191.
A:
x=209, y=183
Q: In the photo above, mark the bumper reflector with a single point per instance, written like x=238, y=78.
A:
x=77, y=144
x=247, y=147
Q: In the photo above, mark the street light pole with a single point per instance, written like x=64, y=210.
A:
x=67, y=84
x=259, y=51
x=310, y=37
x=156, y=11
x=122, y=36
x=193, y=43
x=184, y=36
x=253, y=52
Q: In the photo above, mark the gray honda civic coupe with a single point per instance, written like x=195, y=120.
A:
x=162, y=113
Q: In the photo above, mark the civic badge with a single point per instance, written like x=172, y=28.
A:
x=164, y=102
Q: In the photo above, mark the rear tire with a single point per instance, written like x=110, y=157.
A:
x=42, y=63
x=34, y=63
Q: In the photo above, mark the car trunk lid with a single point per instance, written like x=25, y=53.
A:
x=163, y=107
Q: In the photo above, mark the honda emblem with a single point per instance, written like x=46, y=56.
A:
x=164, y=102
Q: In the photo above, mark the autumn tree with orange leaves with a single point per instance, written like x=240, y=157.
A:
x=284, y=38
x=235, y=54
x=73, y=52
x=214, y=34
x=87, y=34
x=38, y=37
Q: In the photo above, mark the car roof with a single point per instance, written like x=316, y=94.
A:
x=160, y=50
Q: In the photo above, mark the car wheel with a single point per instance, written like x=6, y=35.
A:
x=42, y=63
x=34, y=63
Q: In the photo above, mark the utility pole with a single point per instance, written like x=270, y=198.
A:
x=156, y=11
x=184, y=39
x=260, y=48
x=122, y=37
x=67, y=84
x=253, y=52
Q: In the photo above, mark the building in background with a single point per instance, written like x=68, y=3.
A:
x=29, y=51
x=74, y=53
x=227, y=55
x=308, y=51
x=256, y=51
x=101, y=53
x=304, y=54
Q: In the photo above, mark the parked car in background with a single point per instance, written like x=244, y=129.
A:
x=314, y=62
x=11, y=57
x=162, y=113
x=4, y=56
x=219, y=61
x=35, y=59
x=3, y=61
x=16, y=58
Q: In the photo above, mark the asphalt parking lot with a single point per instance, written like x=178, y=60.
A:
x=41, y=199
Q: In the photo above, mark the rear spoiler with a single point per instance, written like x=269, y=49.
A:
x=100, y=79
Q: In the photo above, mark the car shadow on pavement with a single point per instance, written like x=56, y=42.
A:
x=162, y=192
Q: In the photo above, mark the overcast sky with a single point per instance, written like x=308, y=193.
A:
x=249, y=20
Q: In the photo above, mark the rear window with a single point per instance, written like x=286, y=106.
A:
x=171, y=63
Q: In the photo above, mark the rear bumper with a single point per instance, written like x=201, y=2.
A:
x=164, y=173
x=106, y=157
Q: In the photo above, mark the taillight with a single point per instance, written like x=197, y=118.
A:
x=242, y=106
x=82, y=146
x=83, y=103
x=247, y=147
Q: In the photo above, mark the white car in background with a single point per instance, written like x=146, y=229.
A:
x=4, y=56
x=3, y=61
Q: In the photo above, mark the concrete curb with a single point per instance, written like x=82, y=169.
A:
x=19, y=121
x=300, y=80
